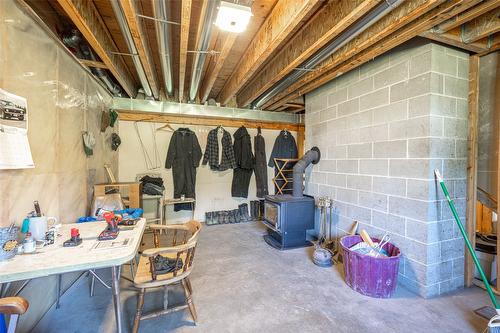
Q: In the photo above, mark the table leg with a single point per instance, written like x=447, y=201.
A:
x=59, y=278
x=115, y=272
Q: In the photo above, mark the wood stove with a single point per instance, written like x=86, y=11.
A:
x=288, y=217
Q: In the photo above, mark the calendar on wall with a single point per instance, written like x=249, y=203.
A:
x=15, y=152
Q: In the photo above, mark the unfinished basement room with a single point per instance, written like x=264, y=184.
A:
x=249, y=166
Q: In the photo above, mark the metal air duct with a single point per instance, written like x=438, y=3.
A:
x=122, y=22
x=350, y=33
x=202, y=48
x=163, y=34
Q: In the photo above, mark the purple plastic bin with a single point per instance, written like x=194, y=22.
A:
x=370, y=276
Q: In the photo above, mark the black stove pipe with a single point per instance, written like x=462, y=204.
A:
x=312, y=156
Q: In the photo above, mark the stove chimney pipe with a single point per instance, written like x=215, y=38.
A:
x=312, y=156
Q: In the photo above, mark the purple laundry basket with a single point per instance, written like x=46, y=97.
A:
x=370, y=276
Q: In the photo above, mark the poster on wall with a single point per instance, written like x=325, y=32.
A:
x=15, y=152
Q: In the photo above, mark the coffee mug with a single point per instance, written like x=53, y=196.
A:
x=38, y=226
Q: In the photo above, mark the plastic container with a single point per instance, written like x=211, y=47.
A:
x=6, y=236
x=370, y=276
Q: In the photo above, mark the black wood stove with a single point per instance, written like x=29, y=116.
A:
x=288, y=217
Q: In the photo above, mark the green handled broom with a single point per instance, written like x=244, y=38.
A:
x=494, y=323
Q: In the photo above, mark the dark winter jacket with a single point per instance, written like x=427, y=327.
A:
x=212, y=151
x=183, y=156
x=259, y=146
x=244, y=163
x=284, y=147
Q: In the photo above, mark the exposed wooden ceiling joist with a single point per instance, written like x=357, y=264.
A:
x=341, y=62
x=285, y=17
x=86, y=18
x=453, y=38
x=324, y=26
x=184, y=37
x=215, y=65
x=481, y=27
x=94, y=64
x=143, y=49
x=467, y=15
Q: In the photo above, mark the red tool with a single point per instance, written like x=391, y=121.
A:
x=111, y=231
x=75, y=239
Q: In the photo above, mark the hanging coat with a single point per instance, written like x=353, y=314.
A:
x=260, y=165
x=212, y=151
x=183, y=156
x=244, y=163
x=284, y=147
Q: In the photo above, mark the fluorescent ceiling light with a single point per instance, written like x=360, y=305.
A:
x=233, y=17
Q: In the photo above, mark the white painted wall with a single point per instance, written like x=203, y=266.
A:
x=213, y=189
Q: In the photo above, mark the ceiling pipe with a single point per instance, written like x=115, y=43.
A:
x=163, y=34
x=202, y=48
x=122, y=22
x=349, y=34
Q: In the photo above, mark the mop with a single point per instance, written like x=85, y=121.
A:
x=494, y=323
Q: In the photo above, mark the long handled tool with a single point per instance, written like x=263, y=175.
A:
x=494, y=323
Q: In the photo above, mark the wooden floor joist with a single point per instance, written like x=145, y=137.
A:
x=94, y=64
x=184, y=37
x=337, y=65
x=215, y=66
x=125, y=115
x=325, y=25
x=467, y=15
x=453, y=38
x=286, y=16
x=481, y=27
x=86, y=18
x=140, y=41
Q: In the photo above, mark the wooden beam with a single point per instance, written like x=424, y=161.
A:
x=91, y=63
x=466, y=16
x=215, y=66
x=324, y=26
x=452, y=38
x=184, y=37
x=471, y=196
x=285, y=18
x=126, y=115
x=497, y=111
x=86, y=18
x=140, y=41
x=481, y=27
x=372, y=45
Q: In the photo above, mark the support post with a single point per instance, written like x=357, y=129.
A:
x=472, y=164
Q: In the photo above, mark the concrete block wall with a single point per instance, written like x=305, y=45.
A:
x=383, y=129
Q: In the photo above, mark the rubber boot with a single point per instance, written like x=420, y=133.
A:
x=262, y=207
x=243, y=208
x=257, y=210
x=232, y=218
x=208, y=218
x=215, y=217
x=225, y=217
x=254, y=210
x=234, y=215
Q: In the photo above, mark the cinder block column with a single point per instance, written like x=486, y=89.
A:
x=383, y=129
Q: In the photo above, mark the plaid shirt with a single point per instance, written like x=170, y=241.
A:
x=212, y=152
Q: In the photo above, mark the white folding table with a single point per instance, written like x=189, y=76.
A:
x=55, y=259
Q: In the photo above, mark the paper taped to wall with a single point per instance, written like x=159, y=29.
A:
x=15, y=150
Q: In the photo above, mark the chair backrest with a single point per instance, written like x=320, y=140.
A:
x=13, y=306
x=184, y=241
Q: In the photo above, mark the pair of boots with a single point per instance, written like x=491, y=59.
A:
x=228, y=216
x=257, y=210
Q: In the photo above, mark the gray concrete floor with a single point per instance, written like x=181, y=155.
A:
x=243, y=285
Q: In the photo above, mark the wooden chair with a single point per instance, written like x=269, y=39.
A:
x=183, y=239
x=13, y=306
